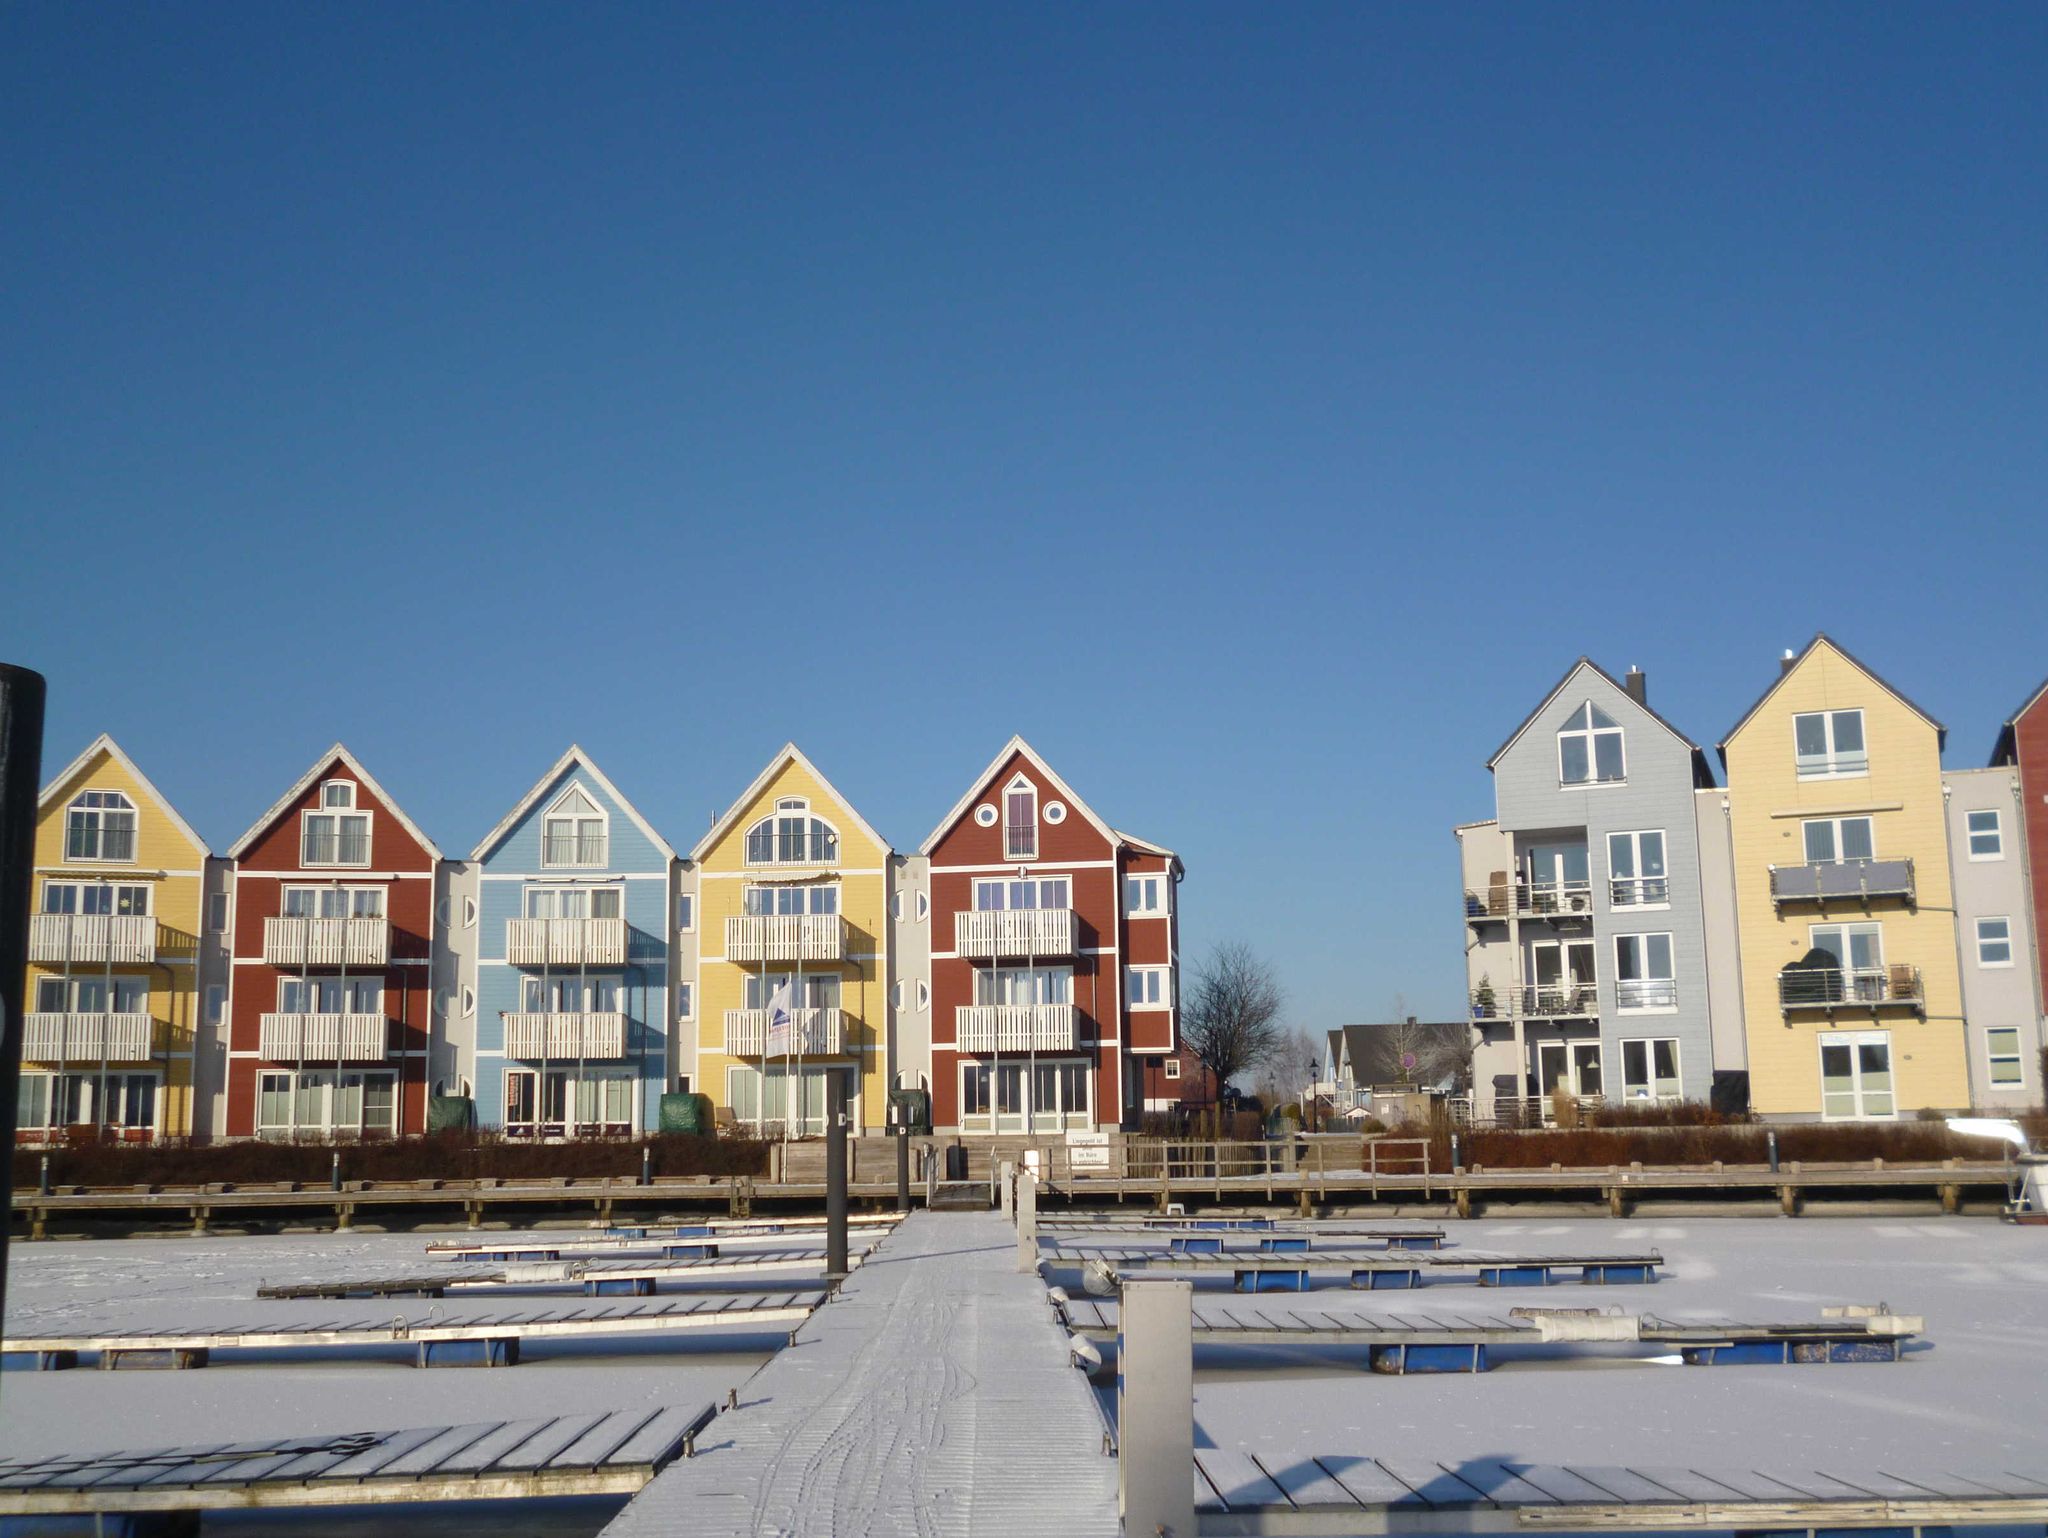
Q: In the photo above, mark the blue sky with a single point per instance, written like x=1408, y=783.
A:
x=1256, y=408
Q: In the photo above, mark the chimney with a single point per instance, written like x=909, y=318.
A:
x=1785, y=662
x=1638, y=686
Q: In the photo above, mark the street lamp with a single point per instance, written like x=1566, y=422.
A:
x=1308, y=1098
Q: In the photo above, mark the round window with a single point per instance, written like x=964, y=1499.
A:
x=1055, y=811
x=985, y=815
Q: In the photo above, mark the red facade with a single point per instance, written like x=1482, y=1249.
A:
x=2025, y=743
x=349, y=1001
x=1121, y=1047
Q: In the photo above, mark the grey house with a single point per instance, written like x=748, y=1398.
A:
x=1586, y=937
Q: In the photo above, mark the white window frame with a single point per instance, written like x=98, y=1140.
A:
x=1592, y=735
x=575, y=819
x=1019, y=785
x=1834, y=825
x=216, y=1005
x=686, y=913
x=1831, y=765
x=380, y=894
x=1648, y=991
x=1062, y=1072
x=1036, y=882
x=330, y=802
x=2004, y=940
x=1854, y=1040
x=2016, y=1057
x=1154, y=897
x=219, y=913
x=1996, y=833
x=686, y=1001
x=89, y=809
x=1156, y=991
x=1649, y=1044
x=556, y=892
x=573, y=1079
x=1170, y=1068
x=78, y=889
x=309, y=821
x=814, y=827
x=1639, y=881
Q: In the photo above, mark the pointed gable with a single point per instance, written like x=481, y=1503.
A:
x=574, y=791
x=1823, y=649
x=103, y=750
x=338, y=764
x=789, y=767
x=1018, y=762
x=1614, y=696
x=2006, y=749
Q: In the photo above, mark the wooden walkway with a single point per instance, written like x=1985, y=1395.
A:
x=729, y=1274
x=611, y=1453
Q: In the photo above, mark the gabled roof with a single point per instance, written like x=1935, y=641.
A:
x=1940, y=731
x=789, y=753
x=1011, y=748
x=1146, y=846
x=104, y=743
x=2006, y=749
x=1702, y=772
x=581, y=760
x=321, y=765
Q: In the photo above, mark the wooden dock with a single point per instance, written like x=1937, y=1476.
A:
x=1290, y=1271
x=708, y=1275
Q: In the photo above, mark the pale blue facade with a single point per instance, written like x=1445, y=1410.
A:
x=574, y=850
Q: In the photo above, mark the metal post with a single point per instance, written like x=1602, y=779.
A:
x=334, y=1171
x=21, y=766
x=647, y=1164
x=835, y=1173
x=1006, y=1188
x=903, y=1168
x=43, y=1179
x=1155, y=1417
x=1771, y=1144
x=1457, y=1163
x=1027, y=1222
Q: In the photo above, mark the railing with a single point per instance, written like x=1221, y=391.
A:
x=1638, y=891
x=565, y=942
x=813, y=1032
x=1014, y=1027
x=1646, y=993
x=1014, y=932
x=59, y=1037
x=573, y=849
x=559, y=1035
x=785, y=937
x=1825, y=881
x=1810, y=766
x=1849, y=987
x=1543, y=1001
x=1512, y=1111
x=336, y=942
x=116, y=937
x=1523, y=899
x=322, y=1038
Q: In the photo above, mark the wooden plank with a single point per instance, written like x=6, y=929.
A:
x=1304, y=1481
x=500, y=1446
x=547, y=1444
x=1629, y=1486
x=1559, y=1483
x=1370, y=1483
x=656, y=1437
x=429, y=1456
x=1437, y=1485
x=1502, y=1485
x=1238, y=1480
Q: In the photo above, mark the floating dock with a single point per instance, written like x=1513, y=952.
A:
x=1281, y=1271
x=598, y=1278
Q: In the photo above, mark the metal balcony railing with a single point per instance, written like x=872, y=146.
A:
x=1646, y=993
x=558, y=1035
x=337, y=942
x=1028, y=932
x=1014, y=1027
x=102, y=937
x=1834, y=988
x=1522, y=899
x=785, y=937
x=1538, y=1001
x=813, y=1033
x=565, y=942
x=322, y=1038
x=1638, y=891
x=1825, y=881
x=74, y=1036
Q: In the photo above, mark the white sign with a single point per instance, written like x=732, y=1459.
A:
x=1088, y=1150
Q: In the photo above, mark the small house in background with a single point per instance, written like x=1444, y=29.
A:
x=1392, y=1069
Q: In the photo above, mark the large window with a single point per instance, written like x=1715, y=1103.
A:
x=820, y=990
x=1856, y=1076
x=1024, y=985
x=791, y=899
x=792, y=836
x=1642, y=972
x=573, y=832
x=1830, y=840
x=323, y=1103
x=1649, y=1069
x=330, y=996
x=992, y=1095
x=1563, y=978
x=2002, y=1044
x=568, y=1101
x=1145, y=896
x=95, y=897
x=1829, y=744
x=778, y=1095
x=1589, y=748
x=1148, y=987
x=100, y=825
x=574, y=902
x=1032, y=892
x=125, y=1103
x=1020, y=820
x=569, y=995
x=1987, y=835
x=1635, y=869
x=92, y=995
x=1560, y=878
x=1994, y=942
x=1856, y=948
x=335, y=838
x=333, y=902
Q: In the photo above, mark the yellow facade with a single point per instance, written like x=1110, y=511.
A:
x=98, y=956
x=853, y=865
x=1898, y=789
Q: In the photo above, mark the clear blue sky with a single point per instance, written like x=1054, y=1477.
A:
x=1256, y=407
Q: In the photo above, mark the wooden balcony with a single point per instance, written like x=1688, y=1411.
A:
x=813, y=1033
x=985, y=1028
x=337, y=942
x=565, y=942
x=58, y=1037
x=559, y=1036
x=126, y=938
x=323, y=1038
x=1018, y=932
x=785, y=937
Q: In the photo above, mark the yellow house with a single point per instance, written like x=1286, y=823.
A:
x=113, y=987
x=790, y=908
x=1851, y=994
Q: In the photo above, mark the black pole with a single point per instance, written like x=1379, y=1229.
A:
x=647, y=1164
x=43, y=1181
x=1771, y=1143
x=835, y=1175
x=903, y=1168
x=21, y=766
x=334, y=1166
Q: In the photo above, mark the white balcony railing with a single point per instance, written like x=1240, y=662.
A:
x=59, y=937
x=322, y=1038
x=785, y=937
x=1014, y=1027
x=1014, y=932
x=55, y=1037
x=558, y=1036
x=813, y=1032
x=1524, y=899
x=565, y=942
x=337, y=942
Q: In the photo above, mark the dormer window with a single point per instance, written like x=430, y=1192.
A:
x=1828, y=744
x=100, y=825
x=1589, y=748
x=338, y=793
x=790, y=835
x=1020, y=820
x=573, y=832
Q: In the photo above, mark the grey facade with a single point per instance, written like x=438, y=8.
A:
x=1586, y=932
x=1995, y=930
x=910, y=970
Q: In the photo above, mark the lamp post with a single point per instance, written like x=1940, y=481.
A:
x=1308, y=1097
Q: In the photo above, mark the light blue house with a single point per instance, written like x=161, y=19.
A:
x=574, y=985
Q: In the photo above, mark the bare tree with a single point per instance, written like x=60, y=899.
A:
x=1229, y=1012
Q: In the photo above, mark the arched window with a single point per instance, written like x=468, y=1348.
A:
x=1589, y=748
x=1020, y=820
x=790, y=835
x=100, y=825
x=573, y=832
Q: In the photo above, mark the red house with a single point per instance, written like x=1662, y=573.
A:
x=2023, y=741
x=330, y=1008
x=1055, y=977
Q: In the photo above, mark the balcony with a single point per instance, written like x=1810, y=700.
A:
x=813, y=1033
x=87, y=1038
x=1014, y=1027
x=1504, y=900
x=1638, y=891
x=565, y=942
x=1850, y=881
x=120, y=938
x=339, y=942
x=322, y=1038
x=558, y=1036
x=1830, y=989
x=1026, y=932
x=785, y=937
x=1646, y=993
x=1539, y=1001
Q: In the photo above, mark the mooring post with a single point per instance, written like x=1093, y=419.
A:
x=1155, y=1407
x=334, y=1171
x=903, y=1168
x=1771, y=1147
x=835, y=1176
x=647, y=1164
x=43, y=1177
x=1006, y=1184
x=1027, y=1222
x=1457, y=1164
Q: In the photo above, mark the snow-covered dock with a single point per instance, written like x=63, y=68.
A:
x=731, y=1274
x=933, y=1396
x=1289, y=1271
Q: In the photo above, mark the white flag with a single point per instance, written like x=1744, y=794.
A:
x=781, y=1018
